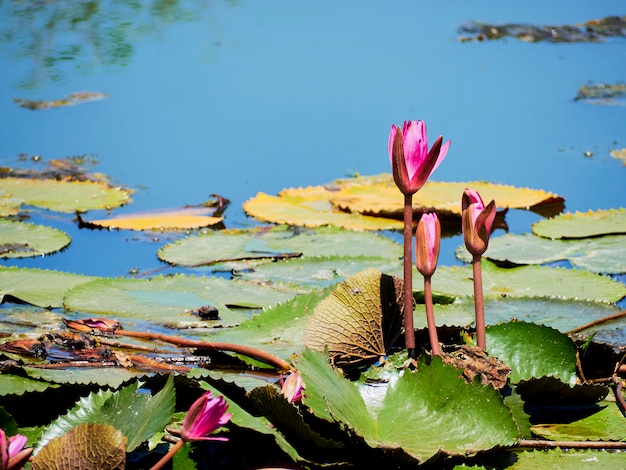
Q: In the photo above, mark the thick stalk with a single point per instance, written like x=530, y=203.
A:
x=430, y=317
x=409, y=331
x=167, y=457
x=479, y=303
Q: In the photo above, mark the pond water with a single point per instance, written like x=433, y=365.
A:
x=234, y=98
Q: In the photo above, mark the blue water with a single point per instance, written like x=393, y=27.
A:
x=235, y=98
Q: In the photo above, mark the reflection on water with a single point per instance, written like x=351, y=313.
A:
x=85, y=34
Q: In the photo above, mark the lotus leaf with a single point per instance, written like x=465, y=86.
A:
x=582, y=224
x=64, y=196
x=172, y=219
x=22, y=239
x=568, y=460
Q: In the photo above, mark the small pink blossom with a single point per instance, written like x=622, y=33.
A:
x=427, y=241
x=13, y=455
x=411, y=161
x=207, y=414
x=293, y=387
x=477, y=221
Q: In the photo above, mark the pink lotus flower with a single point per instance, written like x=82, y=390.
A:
x=427, y=240
x=411, y=161
x=12, y=452
x=292, y=387
x=477, y=221
x=207, y=414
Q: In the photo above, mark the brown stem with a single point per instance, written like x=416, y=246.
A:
x=430, y=317
x=479, y=303
x=249, y=351
x=597, y=322
x=409, y=330
x=619, y=397
x=167, y=457
x=539, y=444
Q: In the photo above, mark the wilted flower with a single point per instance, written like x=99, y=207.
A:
x=427, y=240
x=13, y=455
x=292, y=387
x=411, y=161
x=477, y=221
x=105, y=325
x=206, y=414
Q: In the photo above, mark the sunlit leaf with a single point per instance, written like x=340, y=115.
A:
x=359, y=320
x=88, y=445
x=568, y=459
x=97, y=375
x=605, y=425
x=70, y=100
x=425, y=414
x=528, y=281
x=37, y=286
x=604, y=255
x=276, y=242
x=172, y=300
x=382, y=198
x=533, y=351
x=17, y=385
x=166, y=219
x=582, y=224
x=64, y=196
x=22, y=239
x=315, y=210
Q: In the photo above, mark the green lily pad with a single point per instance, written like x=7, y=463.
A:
x=425, y=414
x=64, y=196
x=275, y=243
x=605, y=425
x=533, y=351
x=582, y=224
x=112, y=377
x=527, y=281
x=605, y=254
x=37, y=286
x=17, y=385
x=172, y=300
x=306, y=274
x=22, y=239
x=568, y=460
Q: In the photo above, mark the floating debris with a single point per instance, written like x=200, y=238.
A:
x=619, y=155
x=590, y=31
x=602, y=93
x=72, y=99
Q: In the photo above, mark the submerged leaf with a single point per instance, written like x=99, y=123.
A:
x=582, y=224
x=64, y=196
x=359, y=321
x=22, y=239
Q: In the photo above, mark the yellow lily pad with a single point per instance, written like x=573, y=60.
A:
x=183, y=218
x=375, y=203
x=63, y=196
x=583, y=224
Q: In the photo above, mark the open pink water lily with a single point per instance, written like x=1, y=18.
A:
x=427, y=241
x=292, y=387
x=411, y=161
x=477, y=221
x=207, y=414
x=13, y=455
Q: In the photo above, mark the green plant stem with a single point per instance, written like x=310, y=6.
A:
x=167, y=457
x=409, y=331
x=479, y=303
x=430, y=317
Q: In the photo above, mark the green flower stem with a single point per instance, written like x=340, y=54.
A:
x=409, y=331
x=167, y=457
x=430, y=317
x=479, y=303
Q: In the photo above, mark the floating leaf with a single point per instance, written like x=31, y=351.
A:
x=70, y=100
x=171, y=300
x=17, y=385
x=382, y=198
x=604, y=94
x=604, y=255
x=605, y=425
x=425, y=414
x=619, y=155
x=313, y=211
x=37, y=286
x=64, y=196
x=279, y=242
x=359, y=321
x=568, y=460
x=89, y=445
x=533, y=351
x=110, y=376
x=582, y=224
x=22, y=239
x=163, y=219
x=528, y=281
